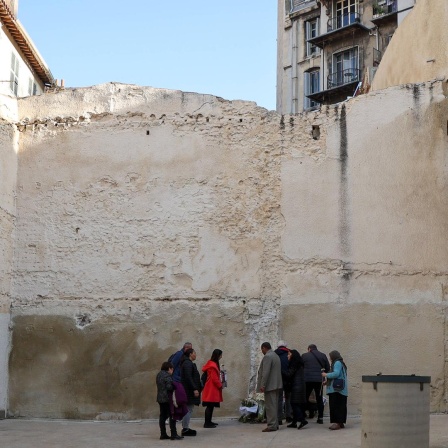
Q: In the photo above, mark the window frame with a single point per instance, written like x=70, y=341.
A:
x=14, y=74
x=311, y=49
x=353, y=63
x=32, y=87
x=345, y=12
x=310, y=78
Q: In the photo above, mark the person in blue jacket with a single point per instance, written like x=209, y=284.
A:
x=337, y=397
x=176, y=359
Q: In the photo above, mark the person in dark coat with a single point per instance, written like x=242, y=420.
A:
x=282, y=352
x=315, y=362
x=165, y=387
x=191, y=380
x=296, y=378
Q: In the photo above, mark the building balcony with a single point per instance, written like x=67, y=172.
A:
x=338, y=27
x=342, y=21
x=383, y=12
x=343, y=77
x=340, y=84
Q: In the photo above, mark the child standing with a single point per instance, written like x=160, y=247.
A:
x=165, y=388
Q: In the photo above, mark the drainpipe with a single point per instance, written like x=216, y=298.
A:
x=377, y=35
x=324, y=87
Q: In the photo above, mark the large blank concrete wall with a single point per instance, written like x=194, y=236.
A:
x=150, y=217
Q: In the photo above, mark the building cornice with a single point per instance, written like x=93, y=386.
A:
x=25, y=45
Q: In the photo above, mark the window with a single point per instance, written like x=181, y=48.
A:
x=346, y=12
x=32, y=87
x=14, y=76
x=311, y=85
x=345, y=68
x=311, y=30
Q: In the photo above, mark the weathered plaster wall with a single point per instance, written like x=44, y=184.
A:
x=365, y=234
x=149, y=217
x=144, y=206
x=8, y=179
x=418, y=50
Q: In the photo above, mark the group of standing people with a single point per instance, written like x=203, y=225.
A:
x=179, y=390
x=287, y=377
x=284, y=376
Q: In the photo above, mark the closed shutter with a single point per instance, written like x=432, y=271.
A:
x=306, y=90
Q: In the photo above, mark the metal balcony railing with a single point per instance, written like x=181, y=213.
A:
x=343, y=77
x=382, y=10
x=343, y=20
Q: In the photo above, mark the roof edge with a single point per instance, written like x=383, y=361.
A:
x=25, y=44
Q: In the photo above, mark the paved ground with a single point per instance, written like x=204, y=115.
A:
x=68, y=433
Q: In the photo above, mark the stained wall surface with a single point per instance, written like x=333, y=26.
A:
x=147, y=217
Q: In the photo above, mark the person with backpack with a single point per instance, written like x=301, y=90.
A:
x=212, y=394
x=191, y=381
x=176, y=359
x=315, y=362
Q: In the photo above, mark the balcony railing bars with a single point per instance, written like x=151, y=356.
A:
x=342, y=77
x=343, y=20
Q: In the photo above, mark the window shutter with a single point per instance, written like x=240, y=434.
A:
x=306, y=89
x=307, y=36
x=316, y=48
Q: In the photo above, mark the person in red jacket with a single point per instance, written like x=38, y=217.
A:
x=212, y=393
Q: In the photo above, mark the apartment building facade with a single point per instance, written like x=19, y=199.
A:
x=23, y=72
x=329, y=50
